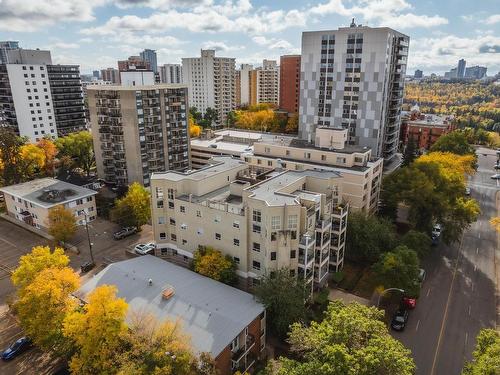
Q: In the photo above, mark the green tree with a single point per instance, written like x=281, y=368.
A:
x=79, y=148
x=96, y=331
x=10, y=149
x=351, y=340
x=417, y=241
x=399, y=269
x=39, y=259
x=486, y=357
x=454, y=142
x=210, y=118
x=284, y=297
x=134, y=208
x=212, y=263
x=410, y=152
x=61, y=223
x=368, y=237
x=43, y=305
x=195, y=114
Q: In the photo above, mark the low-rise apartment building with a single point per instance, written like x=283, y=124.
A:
x=138, y=130
x=220, y=320
x=264, y=220
x=361, y=171
x=30, y=202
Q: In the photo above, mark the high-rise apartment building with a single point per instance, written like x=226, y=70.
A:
x=264, y=220
x=111, y=75
x=244, y=88
x=418, y=74
x=289, y=83
x=264, y=83
x=149, y=55
x=96, y=74
x=4, y=47
x=39, y=99
x=211, y=83
x=134, y=63
x=353, y=78
x=171, y=73
x=476, y=72
x=138, y=130
x=461, y=68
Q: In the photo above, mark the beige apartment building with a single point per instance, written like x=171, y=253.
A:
x=264, y=84
x=139, y=130
x=264, y=219
x=30, y=202
x=361, y=172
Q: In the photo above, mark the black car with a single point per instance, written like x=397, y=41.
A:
x=87, y=266
x=399, y=320
x=18, y=347
x=124, y=232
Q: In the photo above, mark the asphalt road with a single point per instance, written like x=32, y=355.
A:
x=458, y=295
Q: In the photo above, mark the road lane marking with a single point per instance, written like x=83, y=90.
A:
x=466, y=338
x=441, y=331
x=477, y=250
x=479, y=235
x=475, y=266
x=428, y=292
x=472, y=286
x=469, y=310
x=418, y=323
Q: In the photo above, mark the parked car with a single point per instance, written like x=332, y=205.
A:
x=145, y=248
x=497, y=166
x=18, y=347
x=496, y=176
x=408, y=303
x=124, y=232
x=87, y=266
x=399, y=320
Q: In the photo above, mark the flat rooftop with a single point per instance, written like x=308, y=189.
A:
x=270, y=190
x=212, y=313
x=48, y=192
x=158, y=86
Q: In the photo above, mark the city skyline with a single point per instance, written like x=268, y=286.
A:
x=97, y=33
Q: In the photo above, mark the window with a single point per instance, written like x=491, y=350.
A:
x=170, y=193
x=159, y=204
x=236, y=260
x=172, y=221
x=218, y=236
x=323, y=157
x=198, y=213
x=173, y=237
x=276, y=222
x=89, y=199
x=307, y=155
x=161, y=220
x=256, y=228
x=236, y=242
x=257, y=216
x=236, y=224
x=184, y=226
x=293, y=234
x=171, y=205
x=274, y=235
x=217, y=219
x=79, y=201
x=293, y=254
x=273, y=255
x=184, y=242
x=292, y=221
x=256, y=247
x=256, y=265
x=163, y=236
x=183, y=209
x=269, y=163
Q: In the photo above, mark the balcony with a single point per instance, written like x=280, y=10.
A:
x=322, y=225
x=249, y=343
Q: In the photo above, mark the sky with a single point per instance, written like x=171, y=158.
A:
x=97, y=33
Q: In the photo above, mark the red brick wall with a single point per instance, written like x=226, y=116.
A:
x=289, y=83
x=424, y=136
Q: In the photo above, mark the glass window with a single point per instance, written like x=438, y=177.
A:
x=257, y=216
x=256, y=246
x=276, y=222
x=292, y=221
x=256, y=265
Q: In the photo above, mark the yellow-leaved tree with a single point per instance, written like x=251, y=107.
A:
x=61, y=223
x=95, y=331
x=33, y=263
x=460, y=165
x=44, y=304
x=194, y=129
x=133, y=208
x=50, y=151
x=495, y=223
x=212, y=263
x=32, y=160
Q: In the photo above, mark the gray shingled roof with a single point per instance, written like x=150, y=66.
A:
x=212, y=313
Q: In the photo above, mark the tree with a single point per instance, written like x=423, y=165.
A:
x=212, y=263
x=195, y=114
x=398, y=269
x=211, y=116
x=454, y=142
x=31, y=161
x=368, y=237
x=79, y=147
x=194, y=129
x=486, y=357
x=495, y=223
x=284, y=297
x=151, y=347
x=10, y=149
x=410, y=152
x=43, y=305
x=417, y=241
x=351, y=340
x=39, y=259
x=95, y=331
x=61, y=223
x=50, y=151
x=292, y=124
x=133, y=208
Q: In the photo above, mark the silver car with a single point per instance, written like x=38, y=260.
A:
x=145, y=248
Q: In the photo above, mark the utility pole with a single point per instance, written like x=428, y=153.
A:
x=88, y=236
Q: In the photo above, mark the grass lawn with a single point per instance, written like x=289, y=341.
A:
x=358, y=279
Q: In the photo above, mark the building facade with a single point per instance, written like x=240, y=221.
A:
x=39, y=99
x=111, y=75
x=149, y=55
x=264, y=220
x=211, y=83
x=361, y=172
x=133, y=63
x=264, y=84
x=244, y=89
x=461, y=68
x=139, y=130
x=4, y=47
x=418, y=74
x=289, y=83
x=31, y=202
x=475, y=72
x=353, y=78
x=171, y=73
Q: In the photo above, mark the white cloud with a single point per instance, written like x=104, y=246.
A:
x=63, y=45
x=275, y=44
x=220, y=46
x=86, y=40
x=31, y=15
x=495, y=18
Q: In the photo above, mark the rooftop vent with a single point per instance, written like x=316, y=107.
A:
x=56, y=196
x=168, y=293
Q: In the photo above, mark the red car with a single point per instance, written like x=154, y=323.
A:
x=409, y=302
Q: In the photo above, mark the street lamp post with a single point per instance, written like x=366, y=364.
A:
x=388, y=290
